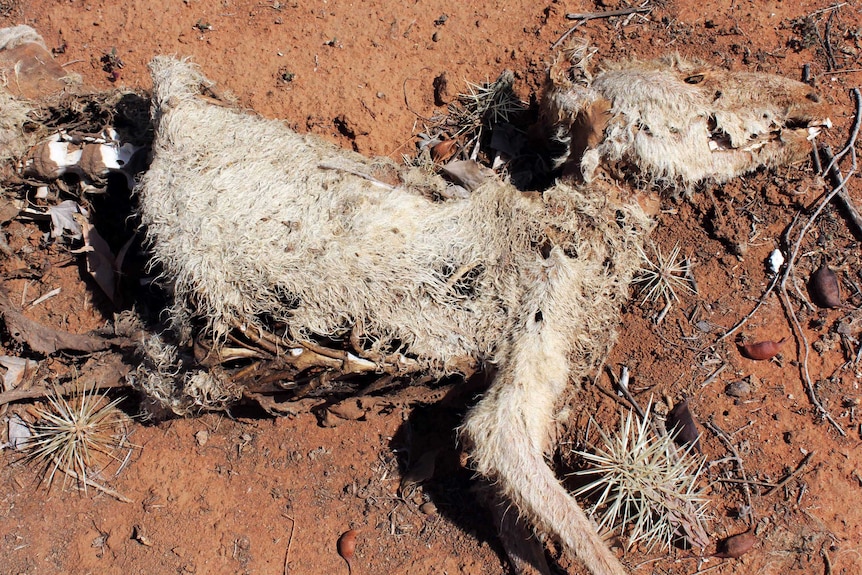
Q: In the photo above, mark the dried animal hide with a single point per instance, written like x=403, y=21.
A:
x=255, y=225
x=678, y=120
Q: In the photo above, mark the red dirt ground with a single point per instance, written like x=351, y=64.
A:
x=267, y=495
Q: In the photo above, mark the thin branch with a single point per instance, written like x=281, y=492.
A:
x=90, y=483
x=854, y=134
x=801, y=339
x=106, y=376
x=843, y=197
x=609, y=13
x=289, y=541
x=585, y=16
x=791, y=475
x=750, y=314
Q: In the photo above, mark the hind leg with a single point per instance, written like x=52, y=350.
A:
x=509, y=430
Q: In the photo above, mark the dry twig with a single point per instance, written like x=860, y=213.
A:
x=585, y=16
x=750, y=314
x=109, y=375
x=289, y=541
x=801, y=339
x=722, y=435
x=609, y=13
x=791, y=475
x=97, y=486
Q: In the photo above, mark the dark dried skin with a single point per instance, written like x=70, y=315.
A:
x=824, y=288
x=681, y=422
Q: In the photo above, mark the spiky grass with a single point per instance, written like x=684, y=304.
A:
x=644, y=487
x=78, y=437
x=661, y=276
x=486, y=104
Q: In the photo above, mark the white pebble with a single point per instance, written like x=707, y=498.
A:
x=776, y=259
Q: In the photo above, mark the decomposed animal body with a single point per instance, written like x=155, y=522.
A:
x=304, y=234
x=257, y=229
x=281, y=234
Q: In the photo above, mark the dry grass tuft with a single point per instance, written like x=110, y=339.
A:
x=660, y=277
x=80, y=436
x=485, y=105
x=644, y=486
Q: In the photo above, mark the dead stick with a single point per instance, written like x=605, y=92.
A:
x=843, y=197
x=854, y=133
x=289, y=541
x=801, y=339
x=96, y=380
x=608, y=14
x=827, y=570
x=791, y=475
x=583, y=17
x=90, y=483
x=750, y=314
x=722, y=435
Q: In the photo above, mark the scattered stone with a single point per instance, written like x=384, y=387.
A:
x=202, y=437
x=739, y=388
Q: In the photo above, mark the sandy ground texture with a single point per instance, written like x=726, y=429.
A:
x=242, y=492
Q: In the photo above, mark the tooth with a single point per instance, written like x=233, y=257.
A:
x=813, y=132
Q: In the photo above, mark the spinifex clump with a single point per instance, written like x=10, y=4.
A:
x=79, y=437
x=644, y=486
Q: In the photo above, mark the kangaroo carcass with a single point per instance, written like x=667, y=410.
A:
x=254, y=225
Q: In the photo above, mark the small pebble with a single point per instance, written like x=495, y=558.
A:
x=428, y=508
x=202, y=437
x=739, y=388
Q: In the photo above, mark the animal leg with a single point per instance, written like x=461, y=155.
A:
x=508, y=431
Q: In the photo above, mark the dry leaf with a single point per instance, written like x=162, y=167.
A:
x=681, y=422
x=824, y=287
x=468, y=172
x=19, y=433
x=63, y=220
x=444, y=150
x=761, y=349
x=736, y=546
x=419, y=472
x=16, y=368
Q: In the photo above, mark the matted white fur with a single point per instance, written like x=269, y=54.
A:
x=255, y=226
x=680, y=120
x=250, y=223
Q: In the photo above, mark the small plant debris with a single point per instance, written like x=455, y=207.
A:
x=661, y=276
x=112, y=64
x=203, y=26
x=79, y=436
x=285, y=76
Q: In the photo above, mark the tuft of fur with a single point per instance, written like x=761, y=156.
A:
x=15, y=36
x=679, y=120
